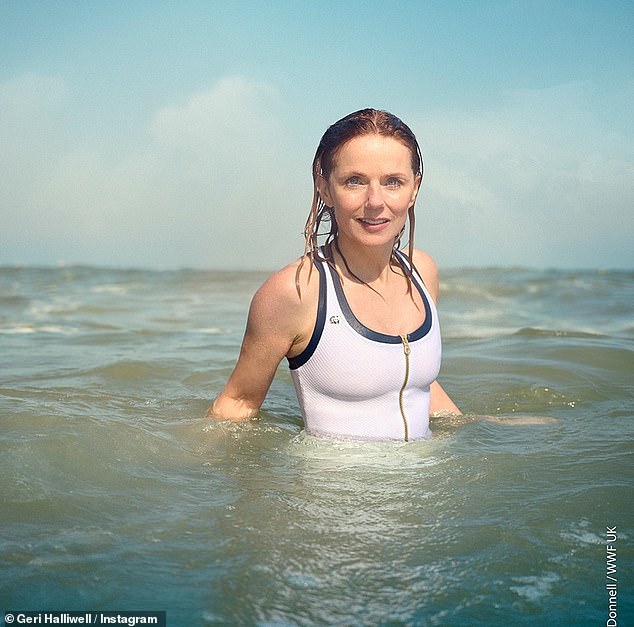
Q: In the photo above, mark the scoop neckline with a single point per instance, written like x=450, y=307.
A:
x=377, y=336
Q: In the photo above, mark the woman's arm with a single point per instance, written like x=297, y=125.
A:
x=276, y=323
x=440, y=402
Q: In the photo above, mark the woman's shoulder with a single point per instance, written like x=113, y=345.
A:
x=293, y=287
x=428, y=270
x=285, y=305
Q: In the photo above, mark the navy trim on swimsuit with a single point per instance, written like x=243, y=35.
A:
x=306, y=354
x=361, y=329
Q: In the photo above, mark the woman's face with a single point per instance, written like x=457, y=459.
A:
x=371, y=187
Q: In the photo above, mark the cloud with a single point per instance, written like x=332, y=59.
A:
x=224, y=164
x=221, y=178
x=192, y=194
x=538, y=179
x=235, y=112
x=219, y=148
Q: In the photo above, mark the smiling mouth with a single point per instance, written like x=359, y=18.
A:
x=372, y=222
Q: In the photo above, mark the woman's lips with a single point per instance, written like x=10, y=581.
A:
x=373, y=221
x=375, y=224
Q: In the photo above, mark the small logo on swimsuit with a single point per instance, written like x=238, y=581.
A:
x=334, y=319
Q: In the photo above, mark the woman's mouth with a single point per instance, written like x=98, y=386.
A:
x=373, y=225
x=375, y=222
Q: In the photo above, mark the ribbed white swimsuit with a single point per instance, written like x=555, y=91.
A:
x=355, y=383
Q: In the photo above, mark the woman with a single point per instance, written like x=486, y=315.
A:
x=356, y=317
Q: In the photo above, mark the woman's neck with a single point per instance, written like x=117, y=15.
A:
x=370, y=265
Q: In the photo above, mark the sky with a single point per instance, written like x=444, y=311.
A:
x=158, y=134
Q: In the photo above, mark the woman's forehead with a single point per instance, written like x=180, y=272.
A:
x=369, y=149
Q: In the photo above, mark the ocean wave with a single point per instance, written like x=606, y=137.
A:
x=132, y=371
x=535, y=587
x=29, y=329
x=536, y=332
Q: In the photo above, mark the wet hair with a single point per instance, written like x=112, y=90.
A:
x=321, y=222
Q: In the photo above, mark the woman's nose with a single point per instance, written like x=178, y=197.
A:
x=375, y=195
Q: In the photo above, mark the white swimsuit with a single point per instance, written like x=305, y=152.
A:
x=355, y=383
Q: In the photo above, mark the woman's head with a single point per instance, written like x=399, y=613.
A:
x=363, y=122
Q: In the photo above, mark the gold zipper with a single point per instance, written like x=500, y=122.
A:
x=407, y=351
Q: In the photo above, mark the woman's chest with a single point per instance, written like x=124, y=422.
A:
x=395, y=313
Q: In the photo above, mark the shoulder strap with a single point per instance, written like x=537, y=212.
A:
x=302, y=358
x=415, y=273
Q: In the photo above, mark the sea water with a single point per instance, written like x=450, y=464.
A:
x=117, y=494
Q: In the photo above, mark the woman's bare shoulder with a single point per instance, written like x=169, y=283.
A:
x=282, y=310
x=287, y=293
x=291, y=284
x=428, y=270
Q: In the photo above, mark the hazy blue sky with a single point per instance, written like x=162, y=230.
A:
x=168, y=134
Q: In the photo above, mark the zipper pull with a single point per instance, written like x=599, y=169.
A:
x=406, y=348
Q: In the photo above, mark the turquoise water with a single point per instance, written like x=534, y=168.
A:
x=117, y=494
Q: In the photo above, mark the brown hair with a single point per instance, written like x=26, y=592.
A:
x=363, y=122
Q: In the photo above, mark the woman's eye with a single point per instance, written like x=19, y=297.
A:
x=393, y=183
x=353, y=180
